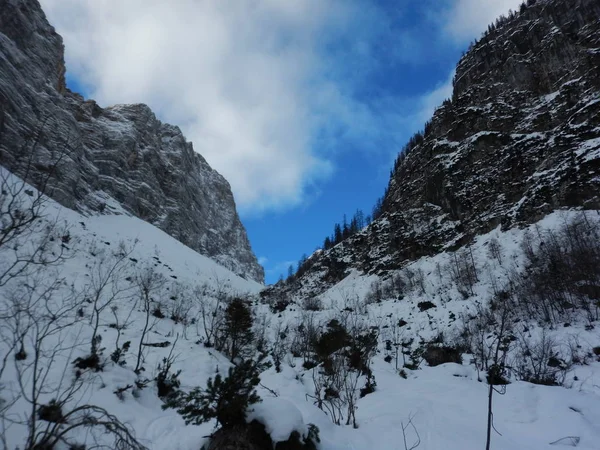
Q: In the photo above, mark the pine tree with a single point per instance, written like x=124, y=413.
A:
x=360, y=219
x=378, y=208
x=354, y=226
x=301, y=263
x=337, y=233
x=224, y=399
x=345, y=229
x=238, y=328
x=302, y=266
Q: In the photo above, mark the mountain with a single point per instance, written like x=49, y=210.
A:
x=467, y=314
x=115, y=160
x=519, y=139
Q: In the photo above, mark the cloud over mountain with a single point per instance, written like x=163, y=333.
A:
x=262, y=89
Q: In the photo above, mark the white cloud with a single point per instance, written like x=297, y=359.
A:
x=262, y=260
x=433, y=99
x=240, y=77
x=252, y=83
x=467, y=19
x=280, y=268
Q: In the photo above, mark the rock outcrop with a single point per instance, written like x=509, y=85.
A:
x=113, y=160
x=519, y=139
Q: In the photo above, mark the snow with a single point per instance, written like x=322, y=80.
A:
x=528, y=136
x=550, y=97
x=481, y=134
x=447, y=404
x=589, y=149
x=279, y=416
x=445, y=142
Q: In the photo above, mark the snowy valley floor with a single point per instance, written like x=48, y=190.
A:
x=447, y=403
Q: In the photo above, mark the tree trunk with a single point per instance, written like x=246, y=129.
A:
x=490, y=417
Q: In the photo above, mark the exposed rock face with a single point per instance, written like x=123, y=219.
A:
x=111, y=160
x=519, y=139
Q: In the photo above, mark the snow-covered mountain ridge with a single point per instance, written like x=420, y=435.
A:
x=116, y=160
x=519, y=139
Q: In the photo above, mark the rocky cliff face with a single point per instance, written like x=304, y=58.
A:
x=519, y=138
x=107, y=160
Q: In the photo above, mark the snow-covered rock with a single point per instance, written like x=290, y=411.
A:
x=279, y=416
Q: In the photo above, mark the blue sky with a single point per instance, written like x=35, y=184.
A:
x=301, y=104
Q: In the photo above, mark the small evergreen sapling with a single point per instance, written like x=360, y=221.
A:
x=224, y=399
x=167, y=382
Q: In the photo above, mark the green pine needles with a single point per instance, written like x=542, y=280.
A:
x=224, y=399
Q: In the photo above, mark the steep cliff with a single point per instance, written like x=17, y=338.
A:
x=107, y=160
x=519, y=139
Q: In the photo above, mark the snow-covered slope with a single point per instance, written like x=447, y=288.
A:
x=146, y=243
x=447, y=404
x=89, y=248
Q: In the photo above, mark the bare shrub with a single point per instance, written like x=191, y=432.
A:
x=280, y=345
x=41, y=316
x=394, y=287
x=562, y=274
x=494, y=250
x=410, y=426
x=415, y=280
x=487, y=334
x=212, y=312
x=98, y=425
x=179, y=305
x=148, y=283
x=463, y=271
x=539, y=361
x=261, y=329
x=305, y=336
x=376, y=292
x=312, y=304
x=28, y=240
x=398, y=284
x=393, y=333
x=107, y=285
x=345, y=358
